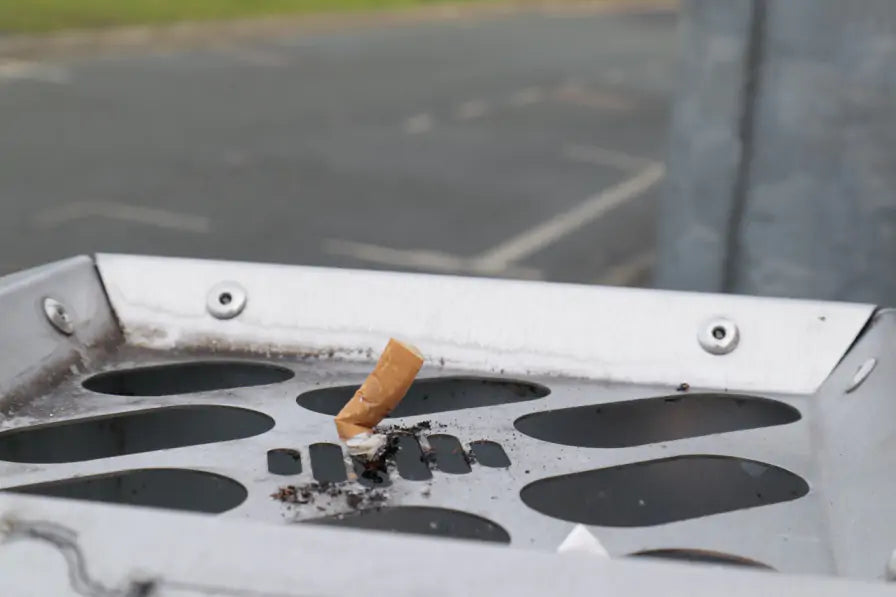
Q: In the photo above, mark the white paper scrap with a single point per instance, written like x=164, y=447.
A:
x=580, y=540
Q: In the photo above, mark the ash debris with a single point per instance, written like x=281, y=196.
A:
x=415, y=430
x=368, y=498
x=325, y=496
x=385, y=461
x=310, y=493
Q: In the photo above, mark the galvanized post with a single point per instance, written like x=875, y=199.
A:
x=782, y=164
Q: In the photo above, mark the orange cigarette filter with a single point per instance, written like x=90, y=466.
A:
x=381, y=391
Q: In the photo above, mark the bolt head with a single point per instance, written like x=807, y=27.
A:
x=58, y=316
x=718, y=336
x=226, y=300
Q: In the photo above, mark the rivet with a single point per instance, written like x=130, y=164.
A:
x=226, y=300
x=58, y=316
x=718, y=336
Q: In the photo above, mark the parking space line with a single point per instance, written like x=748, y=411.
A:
x=432, y=261
x=33, y=71
x=571, y=91
x=471, y=109
x=526, y=97
x=578, y=95
x=549, y=232
x=421, y=123
x=137, y=214
x=626, y=274
x=599, y=156
x=503, y=259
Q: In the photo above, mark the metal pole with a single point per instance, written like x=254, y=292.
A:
x=782, y=163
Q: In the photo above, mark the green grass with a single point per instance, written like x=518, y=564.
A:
x=35, y=16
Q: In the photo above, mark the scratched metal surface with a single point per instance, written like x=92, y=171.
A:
x=837, y=446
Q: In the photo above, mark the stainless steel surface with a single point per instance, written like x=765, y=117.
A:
x=226, y=300
x=200, y=556
x=187, y=411
x=615, y=334
x=719, y=336
x=34, y=354
x=58, y=316
x=779, y=180
x=851, y=444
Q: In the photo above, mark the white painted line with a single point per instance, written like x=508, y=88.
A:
x=147, y=216
x=415, y=125
x=590, y=98
x=471, y=109
x=600, y=156
x=501, y=260
x=526, y=97
x=33, y=71
x=572, y=85
x=563, y=224
x=629, y=272
x=431, y=261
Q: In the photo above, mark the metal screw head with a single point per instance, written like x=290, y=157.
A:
x=718, y=336
x=226, y=300
x=58, y=316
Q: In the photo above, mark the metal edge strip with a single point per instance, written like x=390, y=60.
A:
x=521, y=327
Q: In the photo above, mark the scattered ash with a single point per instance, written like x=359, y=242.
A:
x=429, y=458
x=374, y=469
x=377, y=469
x=415, y=430
x=383, y=463
x=354, y=500
x=469, y=457
x=306, y=494
x=358, y=499
x=365, y=499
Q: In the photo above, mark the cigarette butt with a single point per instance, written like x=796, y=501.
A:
x=381, y=391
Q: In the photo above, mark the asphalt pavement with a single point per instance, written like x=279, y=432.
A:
x=526, y=145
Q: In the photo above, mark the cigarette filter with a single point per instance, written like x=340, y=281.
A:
x=381, y=391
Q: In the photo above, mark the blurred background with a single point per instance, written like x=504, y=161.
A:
x=718, y=145
x=519, y=140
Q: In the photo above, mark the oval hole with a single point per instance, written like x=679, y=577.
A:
x=284, y=461
x=434, y=395
x=650, y=420
x=169, y=488
x=327, y=463
x=490, y=454
x=131, y=433
x=371, y=474
x=409, y=459
x=449, y=454
x=701, y=556
x=185, y=378
x=420, y=520
x=661, y=491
